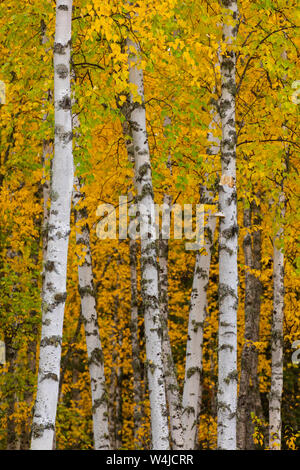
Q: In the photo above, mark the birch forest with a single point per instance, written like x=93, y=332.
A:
x=149, y=225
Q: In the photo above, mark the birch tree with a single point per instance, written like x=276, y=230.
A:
x=275, y=396
x=91, y=328
x=149, y=268
x=192, y=390
x=173, y=394
x=172, y=388
x=228, y=239
x=89, y=315
x=54, y=294
x=198, y=308
x=134, y=328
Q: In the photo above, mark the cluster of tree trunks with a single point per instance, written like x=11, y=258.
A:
x=174, y=416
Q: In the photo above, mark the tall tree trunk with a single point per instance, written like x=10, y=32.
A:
x=136, y=361
x=149, y=268
x=116, y=376
x=249, y=397
x=47, y=151
x=276, y=389
x=193, y=368
x=228, y=240
x=277, y=337
x=192, y=391
x=172, y=388
x=118, y=372
x=91, y=328
x=54, y=294
x=134, y=327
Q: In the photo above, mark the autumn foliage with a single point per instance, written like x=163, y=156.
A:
x=180, y=47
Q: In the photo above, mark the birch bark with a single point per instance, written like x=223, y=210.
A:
x=136, y=362
x=47, y=151
x=192, y=391
x=277, y=338
x=134, y=327
x=54, y=294
x=276, y=389
x=134, y=330
x=149, y=268
x=228, y=240
x=90, y=321
x=193, y=367
x=172, y=388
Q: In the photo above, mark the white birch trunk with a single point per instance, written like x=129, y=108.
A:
x=228, y=241
x=192, y=391
x=134, y=328
x=277, y=340
x=193, y=367
x=90, y=318
x=54, y=295
x=275, y=396
x=47, y=151
x=172, y=388
x=149, y=268
x=136, y=361
x=92, y=335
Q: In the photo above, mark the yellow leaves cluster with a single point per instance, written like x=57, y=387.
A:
x=258, y=435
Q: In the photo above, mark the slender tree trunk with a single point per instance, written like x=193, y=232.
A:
x=192, y=391
x=116, y=376
x=136, y=362
x=276, y=389
x=119, y=370
x=47, y=151
x=134, y=327
x=277, y=338
x=171, y=383
x=149, y=268
x=54, y=294
x=90, y=321
x=228, y=240
x=32, y=345
x=172, y=388
x=193, y=367
x=249, y=397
